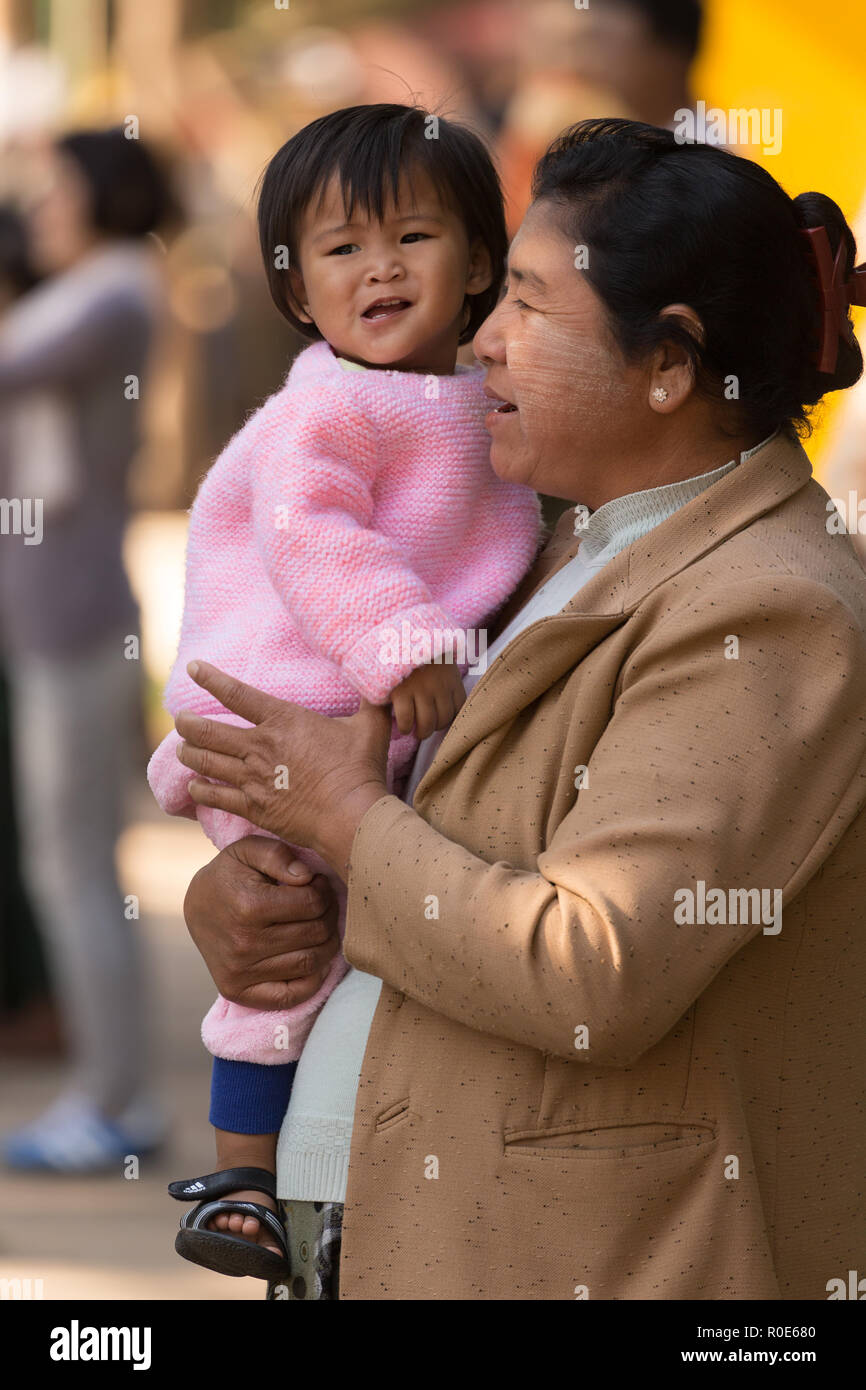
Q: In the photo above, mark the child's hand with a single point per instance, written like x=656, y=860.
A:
x=428, y=698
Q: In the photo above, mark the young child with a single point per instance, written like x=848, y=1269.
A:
x=348, y=527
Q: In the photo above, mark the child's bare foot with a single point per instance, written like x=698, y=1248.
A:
x=246, y=1151
x=247, y=1226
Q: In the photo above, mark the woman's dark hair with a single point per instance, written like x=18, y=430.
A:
x=368, y=148
x=129, y=191
x=666, y=222
x=16, y=268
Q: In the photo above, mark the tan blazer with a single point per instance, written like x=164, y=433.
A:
x=571, y=1090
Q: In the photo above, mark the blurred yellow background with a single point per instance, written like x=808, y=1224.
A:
x=809, y=61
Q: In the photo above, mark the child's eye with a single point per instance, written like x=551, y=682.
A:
x=346, y=246
x=407, y=235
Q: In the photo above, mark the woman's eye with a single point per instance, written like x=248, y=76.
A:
x=519, y=304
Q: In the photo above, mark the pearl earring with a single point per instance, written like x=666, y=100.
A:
x=660, y=394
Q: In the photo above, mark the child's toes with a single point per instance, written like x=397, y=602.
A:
x=241, y=1224
x=250, y=1227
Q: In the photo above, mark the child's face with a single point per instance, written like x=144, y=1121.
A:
x=418, y=256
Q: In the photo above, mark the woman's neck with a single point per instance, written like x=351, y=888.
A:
x=685, y=450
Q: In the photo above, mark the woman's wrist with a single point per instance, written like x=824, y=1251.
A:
x=338, y=834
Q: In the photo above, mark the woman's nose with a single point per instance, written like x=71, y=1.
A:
x=488, y=343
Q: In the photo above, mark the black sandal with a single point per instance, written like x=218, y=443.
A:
x=219, y=1250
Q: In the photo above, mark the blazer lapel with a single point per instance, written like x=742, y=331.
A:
x=527, y=667
x=750, y=490
x=552, y=646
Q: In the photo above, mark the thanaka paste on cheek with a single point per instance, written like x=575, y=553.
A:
x=573, y=408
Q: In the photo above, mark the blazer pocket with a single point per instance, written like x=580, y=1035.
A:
x=618, y=1141
x=393, y=1115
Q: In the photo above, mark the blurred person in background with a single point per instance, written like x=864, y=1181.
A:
x=27, y=1018
x=72, y=355
x=626, y=58
x=615, y=58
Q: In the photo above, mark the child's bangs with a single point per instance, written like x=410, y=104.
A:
x=371, y=168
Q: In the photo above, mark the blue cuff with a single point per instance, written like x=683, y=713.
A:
x=248, y=1098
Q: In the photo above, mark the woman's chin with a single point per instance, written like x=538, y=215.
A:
x=506, y=464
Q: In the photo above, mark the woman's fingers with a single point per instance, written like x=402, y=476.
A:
x=375, y=713
x=215, y=765
x=212, y=733
x=275, y=859
x=257, y=934
x=245, y=700
x=219, y=798
x=285, y=994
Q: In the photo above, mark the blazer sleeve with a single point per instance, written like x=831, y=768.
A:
x=348, y=587
x=730, y=771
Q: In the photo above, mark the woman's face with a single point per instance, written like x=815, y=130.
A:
x=579, y=409
x=60, y=225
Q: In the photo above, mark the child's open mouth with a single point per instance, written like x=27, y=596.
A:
x=385, y=309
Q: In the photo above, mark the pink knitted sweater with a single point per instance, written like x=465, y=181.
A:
x=353, y=511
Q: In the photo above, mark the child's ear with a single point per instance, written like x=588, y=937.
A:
x=479, y=276
x=296, y=296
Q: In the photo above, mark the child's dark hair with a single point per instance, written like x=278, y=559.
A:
x=369, y=147
x=666, y=223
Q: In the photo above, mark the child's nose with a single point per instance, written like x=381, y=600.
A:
x=384, y=265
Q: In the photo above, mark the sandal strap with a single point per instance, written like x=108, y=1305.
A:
x=194, y=1220
x=220, y=1184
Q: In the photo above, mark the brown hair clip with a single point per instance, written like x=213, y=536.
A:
x=836, y=294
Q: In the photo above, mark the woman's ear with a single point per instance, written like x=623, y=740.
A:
x=296, y=296
x=479, y=275
x=671, y=375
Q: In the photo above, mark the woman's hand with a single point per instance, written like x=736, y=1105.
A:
x=267, y=936
x=302, y=776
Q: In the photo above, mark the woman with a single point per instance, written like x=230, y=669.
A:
x=601, y=1064
x=73, y=353
x=27, y=1016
